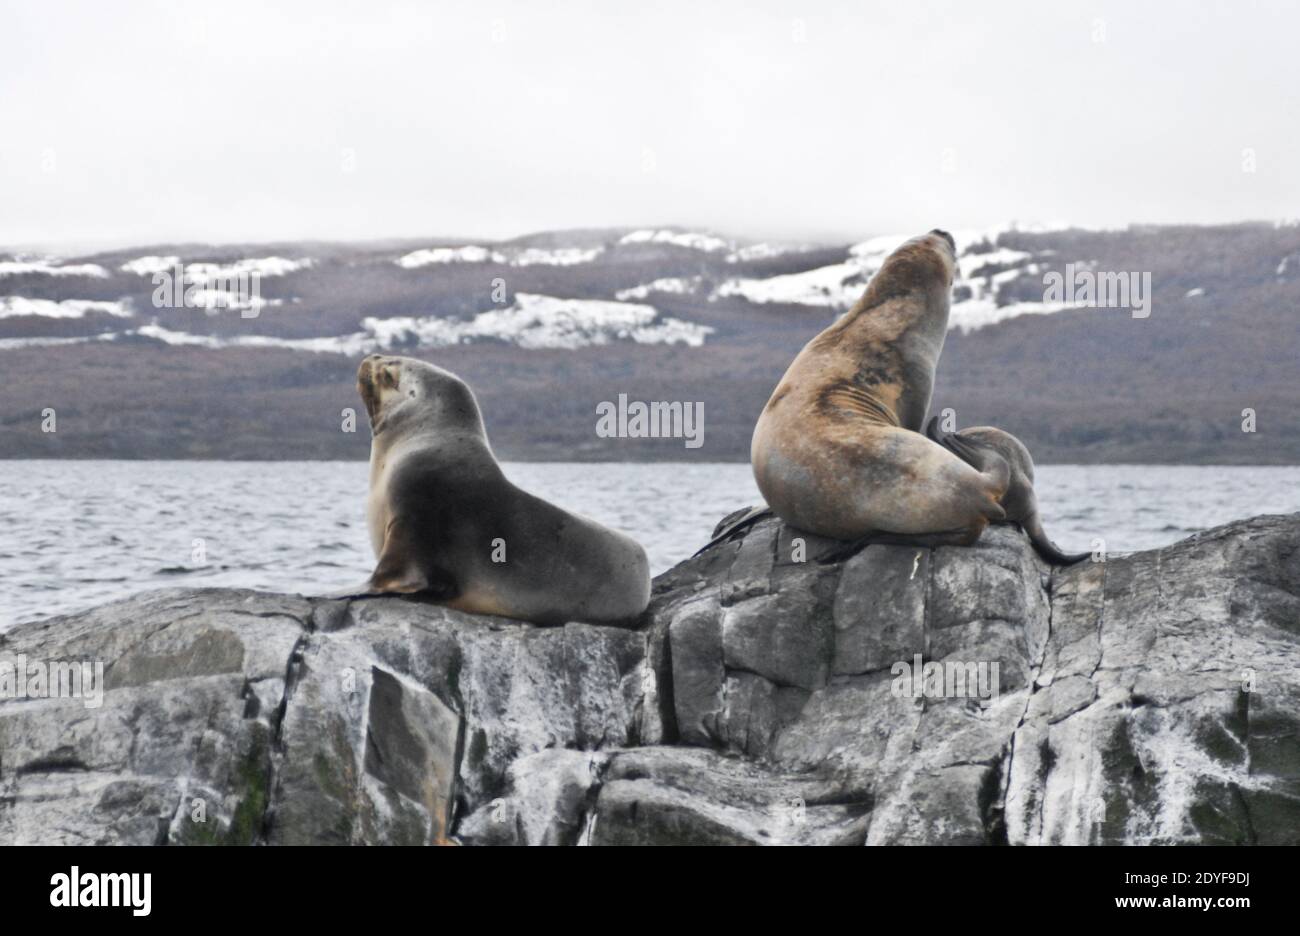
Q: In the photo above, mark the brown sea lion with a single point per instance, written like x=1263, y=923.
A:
x=837, y=450
x=444, y=521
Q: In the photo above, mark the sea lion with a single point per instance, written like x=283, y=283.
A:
x=977, y=446
x=837, y=450
x=444, y=520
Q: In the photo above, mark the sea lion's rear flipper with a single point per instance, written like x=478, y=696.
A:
x=1046, y=548
x=400, y=570
x=733, y=523
x=364, y=590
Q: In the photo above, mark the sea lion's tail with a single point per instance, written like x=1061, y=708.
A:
x=1046, y=548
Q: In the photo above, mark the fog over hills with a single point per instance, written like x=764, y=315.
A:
x=548, y=326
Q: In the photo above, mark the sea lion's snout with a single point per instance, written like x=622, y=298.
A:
x=376, y=372
x=366, y=377
x=946, y=236
x=374, y=376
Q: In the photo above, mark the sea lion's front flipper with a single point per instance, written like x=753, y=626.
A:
x=400, y=571
x=733, y=523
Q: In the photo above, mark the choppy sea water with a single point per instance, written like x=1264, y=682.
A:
x=74, y=534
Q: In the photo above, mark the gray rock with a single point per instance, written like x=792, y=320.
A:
x=785, y=637
x=880, y=608
x=547, y=801
x=765, y=698
x=1169, y=707
x=695, y=636
x=683, y=796
x=229, y=716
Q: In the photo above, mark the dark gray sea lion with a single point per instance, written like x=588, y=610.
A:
x=445, y=522
x=979, y=447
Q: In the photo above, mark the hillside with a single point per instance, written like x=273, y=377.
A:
x=548, y=326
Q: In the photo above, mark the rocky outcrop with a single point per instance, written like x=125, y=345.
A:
x=762, y=699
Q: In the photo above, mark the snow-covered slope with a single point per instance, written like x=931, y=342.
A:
x=516, y=256
x=434, y=255
x=212, y=282
x=532, y=322
x=15, y=306
x=671, y=285
x=535, y=321
x=984, y=268
x=203, y=272
x=50, y=268
x=691, y=240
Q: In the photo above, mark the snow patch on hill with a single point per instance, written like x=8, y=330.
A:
x=203, y=272
x=17, y=306
x=348, y=344
x=559, y=256
x=989, y=263
x=837, y=286
x=508, y=255
x=533, y=321
x=46, y=268
x=536, y=321
x=764, y=251
x=983, y=269
x=975, y=314
x=8, y=344
x=692, y=240
x=671, y=285
x=519, y=257
x=436, y=255
x=207, y=285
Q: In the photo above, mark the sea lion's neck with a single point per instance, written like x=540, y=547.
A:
x=893, y=317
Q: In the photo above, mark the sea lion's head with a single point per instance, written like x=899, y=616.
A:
x=941, y=247
x=952, y=244
x=405, y=392
x=924, y=266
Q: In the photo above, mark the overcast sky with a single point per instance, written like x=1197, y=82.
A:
x=137, y=122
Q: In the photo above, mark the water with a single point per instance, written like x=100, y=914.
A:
x=74, y=534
